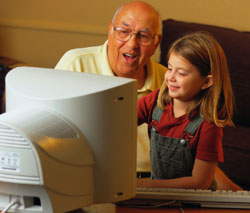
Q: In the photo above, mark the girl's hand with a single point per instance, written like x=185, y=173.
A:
x=142, y=182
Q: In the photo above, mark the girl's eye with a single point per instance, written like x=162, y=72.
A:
x=182, y=73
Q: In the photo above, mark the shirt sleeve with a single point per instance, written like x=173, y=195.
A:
x=210, y=143
x=64, y=62
x=145, y=107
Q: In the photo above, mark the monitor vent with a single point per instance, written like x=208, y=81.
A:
x=48, y=124
x=11, y=138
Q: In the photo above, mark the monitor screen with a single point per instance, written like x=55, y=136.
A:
x=68, y=137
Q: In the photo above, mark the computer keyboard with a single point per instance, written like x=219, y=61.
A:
x=202, y=198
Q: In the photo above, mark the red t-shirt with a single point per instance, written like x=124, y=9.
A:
x=207, y=139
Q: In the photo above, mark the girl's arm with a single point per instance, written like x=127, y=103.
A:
x=202, y=176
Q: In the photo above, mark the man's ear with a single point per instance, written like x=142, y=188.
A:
x=158, y=40
x=110, y=32
x=110, y=27
x=208, y=82
x=156, y=43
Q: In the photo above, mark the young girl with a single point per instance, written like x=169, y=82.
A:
x=186, y=116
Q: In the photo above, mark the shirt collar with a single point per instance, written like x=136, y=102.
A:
x=149, y=84
x=106, y=68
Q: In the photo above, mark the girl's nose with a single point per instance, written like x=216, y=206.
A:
x=170, y=75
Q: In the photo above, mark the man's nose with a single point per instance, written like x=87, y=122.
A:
x=133, y=41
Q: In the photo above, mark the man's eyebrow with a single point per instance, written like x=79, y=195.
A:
x=145, y=30
x=142, y=30
x=125, y=24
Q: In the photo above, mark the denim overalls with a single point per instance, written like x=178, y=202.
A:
x=171, y=157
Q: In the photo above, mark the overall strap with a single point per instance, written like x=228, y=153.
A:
x=190, y=128
x=193, y=125
x=156, y=113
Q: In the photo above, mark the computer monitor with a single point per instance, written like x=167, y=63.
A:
x=67, y=140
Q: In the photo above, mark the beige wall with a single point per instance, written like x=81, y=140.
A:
x=38, y=32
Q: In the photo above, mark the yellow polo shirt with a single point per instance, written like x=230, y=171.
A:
x=95, y=60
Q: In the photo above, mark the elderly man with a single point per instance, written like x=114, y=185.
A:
x=134, y=34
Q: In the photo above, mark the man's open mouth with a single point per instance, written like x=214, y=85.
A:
x=127, y=55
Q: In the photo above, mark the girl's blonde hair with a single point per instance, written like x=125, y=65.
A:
x=203, y=51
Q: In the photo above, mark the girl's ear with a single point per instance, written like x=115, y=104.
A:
x=208, y=82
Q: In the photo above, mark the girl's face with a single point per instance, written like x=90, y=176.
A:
x=183, y=79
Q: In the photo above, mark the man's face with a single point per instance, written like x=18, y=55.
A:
x=127, y=58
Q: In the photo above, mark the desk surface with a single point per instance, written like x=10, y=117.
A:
x=112, y=208
x=120, y=209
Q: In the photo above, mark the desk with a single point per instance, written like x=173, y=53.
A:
x=112, y=208
x=120, y=209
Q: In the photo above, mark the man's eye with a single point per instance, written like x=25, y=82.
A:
x=144, y=36
x=124, y=32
